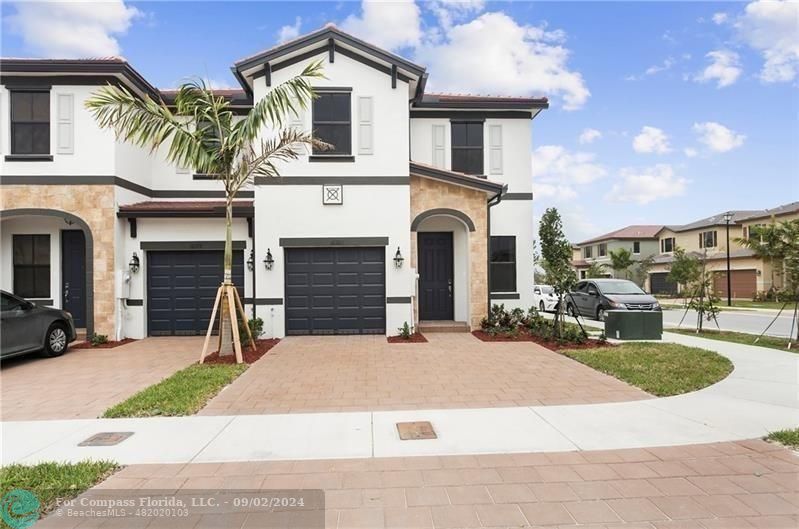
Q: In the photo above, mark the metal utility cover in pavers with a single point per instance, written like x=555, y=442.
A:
x=106, y=439
x=409, y=431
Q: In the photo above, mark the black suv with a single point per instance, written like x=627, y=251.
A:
x=592, y=297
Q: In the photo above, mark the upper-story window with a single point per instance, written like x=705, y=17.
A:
x=332, y=122
x=588, y=252
x=667, y=245
x=603, y=249
x=30, y=122
x=636, y=247
x=707, y=239
x=467, y=147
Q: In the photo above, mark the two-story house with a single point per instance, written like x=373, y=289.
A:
x=708, y=238
x=422, y=210
x=639, y=240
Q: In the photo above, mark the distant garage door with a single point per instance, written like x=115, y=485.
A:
x=181, y=288
x=659, y=283
x=743, y=282
x=335, y=291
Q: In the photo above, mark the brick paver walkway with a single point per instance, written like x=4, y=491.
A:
x=356, y=373
x=83, y=383
x=723, y=485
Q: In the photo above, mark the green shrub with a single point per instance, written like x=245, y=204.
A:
x=98, y=339
x=256, y=328
x=405, y=331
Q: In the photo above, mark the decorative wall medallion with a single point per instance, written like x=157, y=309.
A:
x=332, y=195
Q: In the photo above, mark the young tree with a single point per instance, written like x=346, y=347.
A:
x=556, y=253
x=621, y=259
x=640, y=271
x=702, y=298
x=768, y=244
x=202, y=133
x=685, y=269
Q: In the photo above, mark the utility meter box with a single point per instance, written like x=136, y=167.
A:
x=634, y=324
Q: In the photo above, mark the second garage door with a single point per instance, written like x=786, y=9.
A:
x=335, y=291
x=743, y=282
x=181, y=288
x=659, y=283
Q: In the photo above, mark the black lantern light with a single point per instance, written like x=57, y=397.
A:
x=268, y=261
x=134, y=263
x=398, y=259
x=251, y=261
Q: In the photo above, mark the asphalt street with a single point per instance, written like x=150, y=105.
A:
x=742, y=321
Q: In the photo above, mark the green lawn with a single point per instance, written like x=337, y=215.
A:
x=50, y=482
x=787, y=437
x=745, y=303
x=662, y=369
x=184, y=393
x=741, y=337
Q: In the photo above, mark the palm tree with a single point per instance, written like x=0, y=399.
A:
x=766, y=242
x=595, y=270
x=203, y=134
x=621, y=260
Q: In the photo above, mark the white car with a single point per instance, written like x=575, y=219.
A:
x=544, y=298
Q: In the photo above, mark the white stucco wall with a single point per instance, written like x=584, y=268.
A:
x=515, y=217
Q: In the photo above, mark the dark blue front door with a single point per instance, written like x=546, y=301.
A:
x=73, y=275
x=435, y=276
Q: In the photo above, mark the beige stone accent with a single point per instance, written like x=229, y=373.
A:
x=95, y=205
x=427, y=194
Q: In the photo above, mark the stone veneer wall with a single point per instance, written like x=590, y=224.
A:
x=427, y=194
x=95, y=204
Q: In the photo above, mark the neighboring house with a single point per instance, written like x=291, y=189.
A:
x=132, y=245
x=640, y=240
x=749, y=275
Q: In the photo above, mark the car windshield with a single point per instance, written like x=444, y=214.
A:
x=547, y=290
x=620, y=287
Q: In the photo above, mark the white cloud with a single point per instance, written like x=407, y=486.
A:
x=651, y=140
x=391, y=25
x=589, y=136
x=450, y=11
x=67, y=29
x=717, y=137
x=289, y=31
x=772, y=28
x=690, y=152
x=557, y=171
x=720, y=18
x=647, y=184
x=724, y=68
x=512, y=59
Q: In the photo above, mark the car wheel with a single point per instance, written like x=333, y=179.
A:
x=541, y=307
x=600, y=314
x=570, y=310
x=55, y=341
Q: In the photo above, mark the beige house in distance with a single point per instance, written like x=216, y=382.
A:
x=640, y=240
x=749, y=274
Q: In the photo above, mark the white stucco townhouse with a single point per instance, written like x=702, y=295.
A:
x=132, y=245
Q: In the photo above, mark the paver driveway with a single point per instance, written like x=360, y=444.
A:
x=453, y=370
x=715, y=486
x=83, y=383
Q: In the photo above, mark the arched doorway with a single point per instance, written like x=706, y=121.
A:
x=71, y=275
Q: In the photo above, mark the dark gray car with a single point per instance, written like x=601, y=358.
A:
x=593, y=297
x=28, y=328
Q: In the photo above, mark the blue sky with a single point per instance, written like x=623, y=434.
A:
x=685, y=109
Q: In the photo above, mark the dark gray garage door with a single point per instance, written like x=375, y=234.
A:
x=181, y=288
x=335, y=291
x=659, y=283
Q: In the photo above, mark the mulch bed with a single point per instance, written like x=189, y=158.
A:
x=523, y=336
x=416, y=337
x=106, y=345
x=262, y=347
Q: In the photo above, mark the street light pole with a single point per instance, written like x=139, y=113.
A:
x=727, y=218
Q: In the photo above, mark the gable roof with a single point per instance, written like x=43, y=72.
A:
x=320, y=41
x=784, y=209
x=453, y=177
x=636, y=231
x=713, y=220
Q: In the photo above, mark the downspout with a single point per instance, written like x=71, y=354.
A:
x=254, y=265
x=493, y=201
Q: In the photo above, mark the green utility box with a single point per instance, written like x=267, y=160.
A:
x=634, y=324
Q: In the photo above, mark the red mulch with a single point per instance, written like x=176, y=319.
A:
x=416, y=337
x=106, y=345
x=523, y=336
x=262, y=347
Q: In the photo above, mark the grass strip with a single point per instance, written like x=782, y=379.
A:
x=771, y=342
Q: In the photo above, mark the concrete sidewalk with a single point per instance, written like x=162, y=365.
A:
x=759, y=396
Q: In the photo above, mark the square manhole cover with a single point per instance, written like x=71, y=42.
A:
x=106, y=439
x=416, y=430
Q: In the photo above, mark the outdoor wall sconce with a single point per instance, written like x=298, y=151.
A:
x=251, y=261
x=398, y=259
x=268, y=261
x=134, y=263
